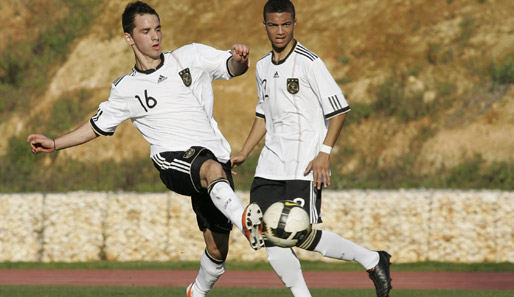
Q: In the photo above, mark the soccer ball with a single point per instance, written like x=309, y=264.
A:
x=286, y=223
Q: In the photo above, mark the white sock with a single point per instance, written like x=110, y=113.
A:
x=210, y=272
x=228, y=203
x=334, y=246
x=287, y=266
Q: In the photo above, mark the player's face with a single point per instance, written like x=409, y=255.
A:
x=147, y=35
x=280, y=29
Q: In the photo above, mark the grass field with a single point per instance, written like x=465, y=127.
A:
x=77, y=291
x=56, y=291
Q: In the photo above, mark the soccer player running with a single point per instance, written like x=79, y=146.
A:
x=301, y=111
x=169, y=98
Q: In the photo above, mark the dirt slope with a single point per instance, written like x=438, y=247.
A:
x=362, y=42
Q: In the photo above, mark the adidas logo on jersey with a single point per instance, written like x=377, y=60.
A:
x=161, y=79
x=276, y=75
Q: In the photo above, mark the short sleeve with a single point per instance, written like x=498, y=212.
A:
x=259, y=112
x=111, y=114
x=214, y=61
x=330, y=95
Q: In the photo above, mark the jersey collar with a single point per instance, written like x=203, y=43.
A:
x=288, y=54
x=149, y=71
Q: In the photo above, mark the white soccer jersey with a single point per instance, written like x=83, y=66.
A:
x=297, y=97
x=171, y=106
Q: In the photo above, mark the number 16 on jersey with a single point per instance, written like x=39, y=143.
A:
x=149, y=101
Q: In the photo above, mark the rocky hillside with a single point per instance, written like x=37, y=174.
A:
x=430, y=83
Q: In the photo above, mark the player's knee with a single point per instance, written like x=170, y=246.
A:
x=286, y=265
x=276, y=258
x=292, y=276
x=211, y=170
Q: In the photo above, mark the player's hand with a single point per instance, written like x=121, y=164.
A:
x=320, y=167
x=240, y=53
x=41, y=143
x=237, y=160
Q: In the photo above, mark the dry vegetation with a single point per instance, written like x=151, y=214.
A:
x=419, y=76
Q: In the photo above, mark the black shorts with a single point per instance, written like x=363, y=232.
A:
x=265, y=192
x=180, y=172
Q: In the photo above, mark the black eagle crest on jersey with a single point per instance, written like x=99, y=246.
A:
x=293, y=85
x=185, y=74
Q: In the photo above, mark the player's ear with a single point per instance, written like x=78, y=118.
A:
x=128, y=38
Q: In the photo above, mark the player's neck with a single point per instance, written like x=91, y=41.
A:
x=282, y=53
x=146, y=63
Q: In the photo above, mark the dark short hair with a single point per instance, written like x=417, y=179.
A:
x=131, y=10
x=278, y=6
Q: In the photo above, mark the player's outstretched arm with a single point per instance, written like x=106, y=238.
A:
x=239, y=60
x=256, y=133
x=41, y=143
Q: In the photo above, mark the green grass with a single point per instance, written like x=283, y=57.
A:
x=60, y=291
x=504, y=73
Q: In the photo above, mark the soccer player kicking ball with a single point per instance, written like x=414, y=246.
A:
x=169, y=98
x=301, y=111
